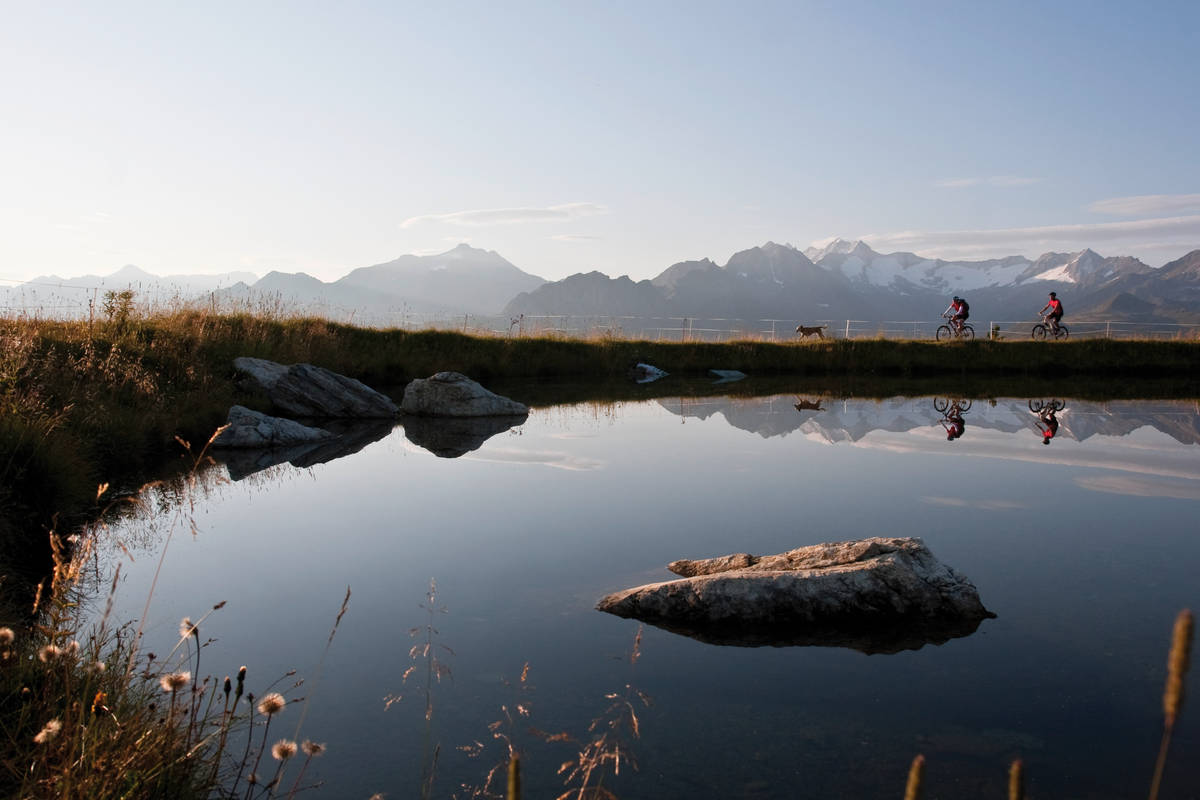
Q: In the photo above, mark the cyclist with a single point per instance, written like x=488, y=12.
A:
x=1056, y=312
x=961, y=310
x=1047, y=425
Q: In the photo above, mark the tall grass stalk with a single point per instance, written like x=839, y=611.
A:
x=1178, y=660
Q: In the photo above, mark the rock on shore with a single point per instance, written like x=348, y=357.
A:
x=452, y=394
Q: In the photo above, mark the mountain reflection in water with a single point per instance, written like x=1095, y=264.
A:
x=834, y=420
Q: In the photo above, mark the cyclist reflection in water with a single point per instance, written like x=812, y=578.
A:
x=953, y=423
x=1047, y=424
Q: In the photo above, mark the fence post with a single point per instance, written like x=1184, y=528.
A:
x=847, y=329
x=1108, y=329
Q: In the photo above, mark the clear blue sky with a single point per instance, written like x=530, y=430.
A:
x=619, y=136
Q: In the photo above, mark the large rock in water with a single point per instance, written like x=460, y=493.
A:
x=876, y=595
x=303, y=390
x=252, y=429
x=452, y=394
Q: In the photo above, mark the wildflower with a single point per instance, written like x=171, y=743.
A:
x=311, y=748
x=6, y=636
x=283, y=749
x=98, y=703
x=271, y=704
x=186, y=629
x=49, y=653
x=174, y=681
x=48, y=732
x=96, y=667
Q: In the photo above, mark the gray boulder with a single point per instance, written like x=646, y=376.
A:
x=252, y=429
x=878, y=595
x=303, y=390
x=452, y=394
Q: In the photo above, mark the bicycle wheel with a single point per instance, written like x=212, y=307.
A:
x=1061, y=333
x=944, y=333
x=1039, y=332
x=968, y=332
x=940, y=404
x=1036, y=405
x=963, y=406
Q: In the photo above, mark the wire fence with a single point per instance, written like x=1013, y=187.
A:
x=86, y=304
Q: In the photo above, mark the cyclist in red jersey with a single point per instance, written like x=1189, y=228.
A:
x=1056, y=312
x=961, y=310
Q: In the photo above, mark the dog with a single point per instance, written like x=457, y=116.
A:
x=808, y=330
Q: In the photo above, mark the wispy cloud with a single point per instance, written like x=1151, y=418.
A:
x=1141, y=487
x=964, y=243
x=982, y=505
x=574, y=237
x=510, y=216
x=1147, y=205
x=1002, y=181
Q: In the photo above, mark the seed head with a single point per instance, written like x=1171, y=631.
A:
x=96, y=667
x=48, y=732
x=311, y=748
x=187, y=628
x=283, y=749
x=6, y=637
x=228, y=687
x=1177, y=666
x=271, y=704
x=174, y=681
x=49, y=653
x=916, y=777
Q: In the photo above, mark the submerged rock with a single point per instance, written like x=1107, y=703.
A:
x=253, y=429
x=303, y=390
x=726, y=375
x=452, y=394
x=879, y=595
x=451, y=437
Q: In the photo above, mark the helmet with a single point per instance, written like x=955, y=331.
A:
x=957, y=299
x=1052, y=294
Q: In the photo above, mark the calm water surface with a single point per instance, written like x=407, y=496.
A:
x=1085, y=549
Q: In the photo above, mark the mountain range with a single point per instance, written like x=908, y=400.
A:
x=850, y=280
x=840, y=280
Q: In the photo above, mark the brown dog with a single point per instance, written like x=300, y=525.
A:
x=808, y=330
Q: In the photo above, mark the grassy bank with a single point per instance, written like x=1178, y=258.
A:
x=85, y=402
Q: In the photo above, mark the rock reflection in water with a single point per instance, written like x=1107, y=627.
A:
x=893, y=635
x=451, y=437
x=352, y=436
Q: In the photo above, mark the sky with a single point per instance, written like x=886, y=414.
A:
x=577, y=136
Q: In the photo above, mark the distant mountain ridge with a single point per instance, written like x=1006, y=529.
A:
x=851, y=280
x=840, y=280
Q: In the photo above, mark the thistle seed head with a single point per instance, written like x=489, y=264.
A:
x=174, y=681
x=283, y=749
x=272, y=704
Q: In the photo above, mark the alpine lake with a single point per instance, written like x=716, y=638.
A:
x=475, y=557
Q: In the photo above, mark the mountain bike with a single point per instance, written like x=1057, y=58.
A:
x=960, y=330
x=1049, y=406
x=1044, y=327
x=944, y=404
